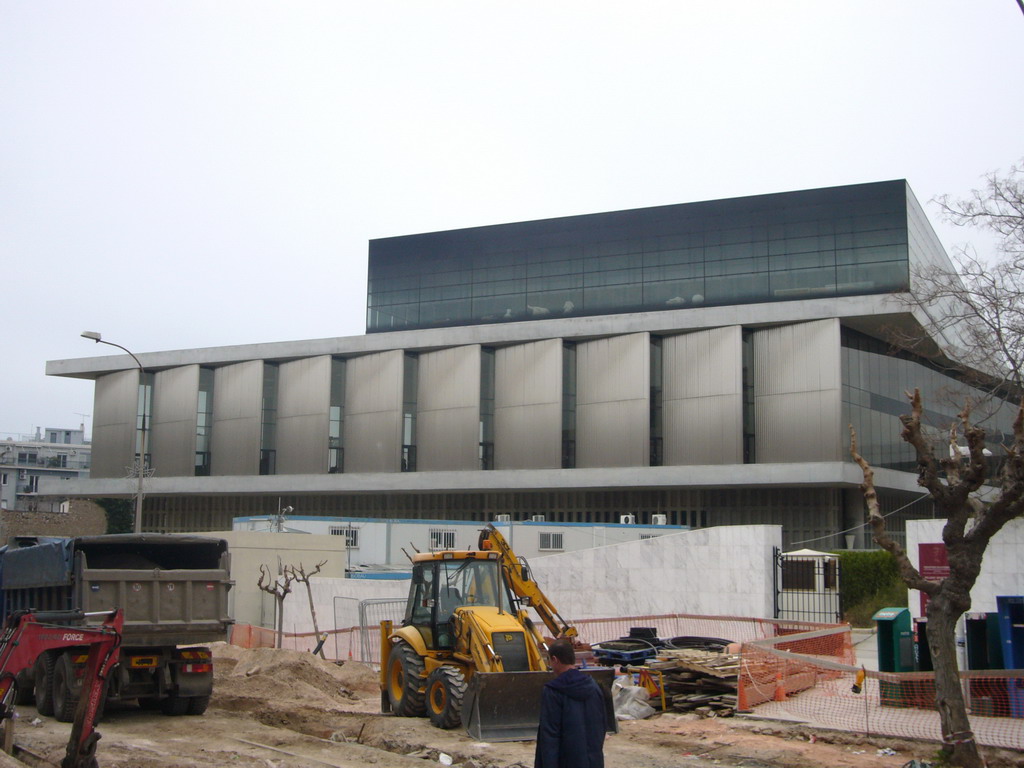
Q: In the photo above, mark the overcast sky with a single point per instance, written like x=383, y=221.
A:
x=194, y=174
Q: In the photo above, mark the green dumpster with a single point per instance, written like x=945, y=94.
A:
x=895, y=652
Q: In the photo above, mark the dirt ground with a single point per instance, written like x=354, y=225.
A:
x=284, y=709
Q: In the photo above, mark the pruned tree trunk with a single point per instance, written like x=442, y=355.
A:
x=949, y=695
x=300, y=575
x=280, y=590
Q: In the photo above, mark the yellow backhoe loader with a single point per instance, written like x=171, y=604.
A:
x=467, y=652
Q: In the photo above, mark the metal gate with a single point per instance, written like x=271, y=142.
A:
x=807, y=587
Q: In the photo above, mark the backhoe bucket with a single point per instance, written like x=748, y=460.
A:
x=505, y=706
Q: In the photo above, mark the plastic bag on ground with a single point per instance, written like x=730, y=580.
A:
x=630, y=701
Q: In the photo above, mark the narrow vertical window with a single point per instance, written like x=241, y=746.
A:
x=268, y=425
x=655, y=403
x=486, y=408
x=568, y=405
x=204, y=422
x=335, y=433
x=748, y=397
x=410, y=383
x=144, y=418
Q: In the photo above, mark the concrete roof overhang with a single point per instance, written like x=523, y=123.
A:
x=871, y=314
x=719, y=476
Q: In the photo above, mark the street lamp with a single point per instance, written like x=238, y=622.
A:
x=95, y=336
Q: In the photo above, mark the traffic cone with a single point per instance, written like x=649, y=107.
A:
x=741, y=696
x=780, y=688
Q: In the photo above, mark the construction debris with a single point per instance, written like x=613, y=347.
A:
x=691, y=680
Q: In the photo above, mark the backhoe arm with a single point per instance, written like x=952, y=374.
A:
x=523, y=586
x=26, y=635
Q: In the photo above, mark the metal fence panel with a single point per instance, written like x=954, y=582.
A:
x=371, y=614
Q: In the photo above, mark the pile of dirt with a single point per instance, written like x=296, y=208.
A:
x=249, y=678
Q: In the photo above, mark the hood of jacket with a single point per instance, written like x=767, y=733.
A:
x=573, y=683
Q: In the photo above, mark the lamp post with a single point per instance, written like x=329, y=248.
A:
x=95, y=336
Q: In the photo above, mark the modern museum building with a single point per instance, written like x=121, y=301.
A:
x=693, y=364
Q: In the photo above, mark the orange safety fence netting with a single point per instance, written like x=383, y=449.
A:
x=363, y=643
x=801, y=678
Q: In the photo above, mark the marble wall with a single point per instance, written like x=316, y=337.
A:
x=724, y=571
x=1001, y=573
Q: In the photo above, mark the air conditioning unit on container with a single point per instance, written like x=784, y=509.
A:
x=627, y=519
x=538, y=518
x=659, y=519
x=503, y=518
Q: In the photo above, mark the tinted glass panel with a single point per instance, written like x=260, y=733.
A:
x=829, y=242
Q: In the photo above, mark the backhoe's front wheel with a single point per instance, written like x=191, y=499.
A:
x=404, y=678
x=446, y=687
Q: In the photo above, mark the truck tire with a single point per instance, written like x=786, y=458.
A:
x=197, y=705
x=404, y=677
x=174, y=705
x=43, y=683
x=446, y=687
x=64, y=700
x=24, y=692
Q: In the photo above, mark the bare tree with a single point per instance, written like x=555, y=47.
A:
x=280, y=588
x=299, y=574
x=974, y=315
x=979, y=324
x=969, y=527
x=998, y=207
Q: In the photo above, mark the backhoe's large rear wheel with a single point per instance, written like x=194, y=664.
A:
x=404, y=678
x=446, y=687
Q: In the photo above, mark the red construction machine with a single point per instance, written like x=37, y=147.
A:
x=27, y=636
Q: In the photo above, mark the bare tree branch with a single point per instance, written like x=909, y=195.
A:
x=280, y=588
x=300, y=575
x=910, y=575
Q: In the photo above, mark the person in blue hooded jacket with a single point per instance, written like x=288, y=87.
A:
x=572, y=715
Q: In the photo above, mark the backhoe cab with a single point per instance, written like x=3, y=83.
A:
x=467, y=652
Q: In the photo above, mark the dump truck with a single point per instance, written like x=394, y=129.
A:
x=173, y=591
x=468, y=652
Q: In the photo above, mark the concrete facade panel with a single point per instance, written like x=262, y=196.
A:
x=702, y=397
x=528, y=406
x=303, y=413
x=115, y=410
x=172, y=440
x=704, y=430
x=448, y=409
x=373, y=412
x=797, y=393
x=613, y=401
x=237, y=415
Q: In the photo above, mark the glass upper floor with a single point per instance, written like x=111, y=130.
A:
x=839, y=241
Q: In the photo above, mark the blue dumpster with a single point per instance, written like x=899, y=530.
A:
x=1011, y=631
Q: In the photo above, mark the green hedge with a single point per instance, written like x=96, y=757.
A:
x=120, y=514
x=868, y=581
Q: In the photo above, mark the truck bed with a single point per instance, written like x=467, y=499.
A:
x=173, y=589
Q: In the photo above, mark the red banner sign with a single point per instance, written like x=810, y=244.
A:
x=932, y=565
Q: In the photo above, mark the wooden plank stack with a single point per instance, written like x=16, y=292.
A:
x=696, y=680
